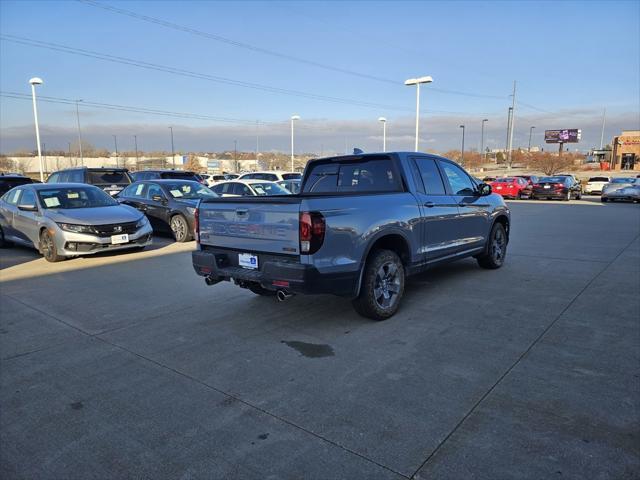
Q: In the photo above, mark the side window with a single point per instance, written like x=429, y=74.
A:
x=27, y=198
x=53, y=178
x=76, y=176
x=459, y=181
x=12, y=197
x=64, y=177
x=152, y=190
x=430, y=175
x=244, y=190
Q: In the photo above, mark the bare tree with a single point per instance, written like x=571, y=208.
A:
x=549, y=163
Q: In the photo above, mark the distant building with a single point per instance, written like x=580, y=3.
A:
x=626, y=151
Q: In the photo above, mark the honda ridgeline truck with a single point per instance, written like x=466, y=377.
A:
x=359, y=226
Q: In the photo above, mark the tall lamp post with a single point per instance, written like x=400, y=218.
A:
x=37, y=81
x=417, y=82
x=482, y=138
x=115, y=142
x=135, y=144
x=462, y=152
x=173, y=152
x=530, y=132
x=384, y=133
x=293, y=119
x=79, y=134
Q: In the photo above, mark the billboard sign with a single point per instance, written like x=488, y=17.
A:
x=213, y=164
x=572, y=135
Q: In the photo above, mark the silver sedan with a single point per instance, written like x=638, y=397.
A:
x=70, y=219
x=622, y=189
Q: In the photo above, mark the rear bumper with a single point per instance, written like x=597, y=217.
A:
x=549, y=194
x=274, y=273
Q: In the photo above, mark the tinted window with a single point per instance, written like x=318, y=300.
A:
x=108, y=177
x=241, y=189
x=154, y=189
x=598, y=179
x=291, y=176
x=224, y=188
x=622, y=180
x=53, y=178
x=374, y=175
x=27, y=198
x=553, y=179
x=189, y=190
x=459, y=181
x=75, y=176
x=75, y=197
x=268, y=188
x=430, y=177
x=7, y=184
x=134, y=191
x=64, y=177
x=12, y=197
x=183, y=175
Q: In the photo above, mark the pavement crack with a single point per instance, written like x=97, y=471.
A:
x=519, y=359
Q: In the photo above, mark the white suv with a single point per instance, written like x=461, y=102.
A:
x=595, y=185
x=272, y=176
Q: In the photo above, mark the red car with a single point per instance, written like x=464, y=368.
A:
x=512, y=187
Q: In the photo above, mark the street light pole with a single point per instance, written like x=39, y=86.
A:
x=115, y=142
x=293, y=119
x=37, y=81
x=417, y=82
x=482, y=139
x=79, y=134
x=235, y=155
x=135, y=143
x=462, y=152
x=530, y=133
x=173, y=154
x=384, y=133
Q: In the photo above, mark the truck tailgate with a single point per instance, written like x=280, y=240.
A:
x=256, y=225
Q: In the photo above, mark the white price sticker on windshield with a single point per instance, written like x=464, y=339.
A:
x=51, y=202
x=176, y=193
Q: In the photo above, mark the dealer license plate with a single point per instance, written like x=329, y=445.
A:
x=118, y=239
x=246, y=260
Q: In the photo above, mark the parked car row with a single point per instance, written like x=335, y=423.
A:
x=94, y=210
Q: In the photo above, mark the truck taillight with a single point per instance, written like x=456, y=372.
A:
x=312, y=228
x=196, y=224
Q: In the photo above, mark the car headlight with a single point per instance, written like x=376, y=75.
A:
x=142, y=222
x=71, y=227
x=191, y=210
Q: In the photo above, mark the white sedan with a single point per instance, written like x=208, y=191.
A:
x=242, y=188
x=595, y=185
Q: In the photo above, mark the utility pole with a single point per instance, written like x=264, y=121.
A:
x=257, y=142
x=69, y=161
x=44, y=155
x=135, y=142
x=513, y=111
x=79, y=134
x=462, y=151
x=115, y=142
x=604, y=116
x=508, y=131
x=235, y=155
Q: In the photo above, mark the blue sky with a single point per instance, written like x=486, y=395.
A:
x=571, y=60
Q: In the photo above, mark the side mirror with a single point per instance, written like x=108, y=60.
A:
x=28, y=208
x=484, y=189
x=158, y=198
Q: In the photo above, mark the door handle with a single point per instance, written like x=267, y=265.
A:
x=429, y=204
x=242, y=211
x=462, y=204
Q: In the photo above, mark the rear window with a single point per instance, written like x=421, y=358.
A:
x=182, y=175
x=291, y=176
x=598, y=179
x=9, y=183
x=109, y=177
x=371, y=175
x=504, y=180
x=553, y=179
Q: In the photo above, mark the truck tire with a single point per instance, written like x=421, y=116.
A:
x=259, y=290
x=382, y=286
x=496, y=249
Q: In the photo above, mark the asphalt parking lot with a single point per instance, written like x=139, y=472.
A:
x=129, y=366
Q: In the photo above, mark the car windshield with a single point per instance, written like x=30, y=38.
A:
x=109, y=177
x=263, y=189
x=623, y=180
x=189, y=190
x=552, y=180
x=75, y=197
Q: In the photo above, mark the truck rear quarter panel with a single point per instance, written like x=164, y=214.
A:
x=354, y=221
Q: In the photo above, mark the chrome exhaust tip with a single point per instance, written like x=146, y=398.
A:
x=281, y=295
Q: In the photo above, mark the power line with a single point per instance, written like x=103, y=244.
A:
x=273, y=53
x=188, y=73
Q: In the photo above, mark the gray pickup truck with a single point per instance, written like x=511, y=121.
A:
x=359, y=226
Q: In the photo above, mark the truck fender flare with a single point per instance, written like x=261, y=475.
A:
x=363, y=261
